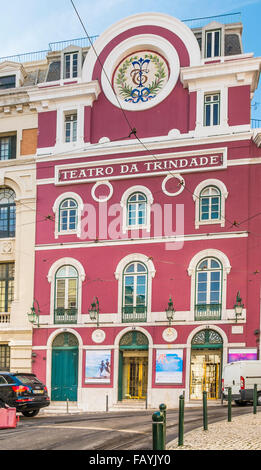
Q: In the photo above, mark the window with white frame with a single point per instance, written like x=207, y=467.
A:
x=136, y=203
x=71, y=65
x=137, y=210
x=210, y=197
x=135, y=273
x=210, y=204
x=66, y=295
x=213, y=43
x=70, y=123
x=135, y=277
x=212, y=109
x=68, y=214
x=68, y=208
x=208, y=299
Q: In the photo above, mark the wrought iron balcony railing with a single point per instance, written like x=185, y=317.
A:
x=132, y=314
x=208, y=312
x=4, y=317
x=256, y=123
x=65, y=315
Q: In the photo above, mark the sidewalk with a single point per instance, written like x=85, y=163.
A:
x=242, y=433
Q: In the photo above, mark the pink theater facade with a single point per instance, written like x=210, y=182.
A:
x=148, y=189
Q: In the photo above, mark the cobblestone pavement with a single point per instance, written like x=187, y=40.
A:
x=242, y=433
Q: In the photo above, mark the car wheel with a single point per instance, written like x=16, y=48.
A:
x=259, y=399
x=30, y=414
x=240, y=403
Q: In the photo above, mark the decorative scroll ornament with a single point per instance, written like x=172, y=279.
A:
x=141, y=77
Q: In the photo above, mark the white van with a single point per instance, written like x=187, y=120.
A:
x=241, y=376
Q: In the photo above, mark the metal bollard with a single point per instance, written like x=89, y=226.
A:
x=158, y=437
x=163, y=410
x=107, y=403
x=255, y=399
x=229, y=405
x=67, y=405
x=205, y=411
x=181, y=420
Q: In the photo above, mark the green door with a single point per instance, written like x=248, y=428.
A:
x=64, y=373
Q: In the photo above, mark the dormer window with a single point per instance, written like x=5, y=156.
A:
x=213, y=43
x=7, y=82
x=71, y=61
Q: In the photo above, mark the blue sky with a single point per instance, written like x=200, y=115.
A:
x=30, y=25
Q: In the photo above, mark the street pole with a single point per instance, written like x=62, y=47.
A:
x=229, y=404
x=205, y=411
x=255, y=399
x=158, y=438
x=181, y=420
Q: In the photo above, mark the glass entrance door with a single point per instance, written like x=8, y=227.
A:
x=205, y=374
x=135, y=375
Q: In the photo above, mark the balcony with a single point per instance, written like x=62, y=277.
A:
x=132, y=314
x=4, y=318
x=255, y=123
x=65, y=316
x=208, y=312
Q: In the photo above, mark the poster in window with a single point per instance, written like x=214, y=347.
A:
x=169, y=366
x=242, y=355
x=98, y=366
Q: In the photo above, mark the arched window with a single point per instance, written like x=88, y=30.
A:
x=210, y=204
x=68, y=211
x=7, y=213
x=210, y=197
x=66, y=295
x=135, y=277
x=208, y=289
x=136, y=205
x=137, y=210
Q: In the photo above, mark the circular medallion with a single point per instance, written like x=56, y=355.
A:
x=144, y=69
x=169, y=335
x=178, y=185
x=102, y=198
x=98, y=336
x=140, y=77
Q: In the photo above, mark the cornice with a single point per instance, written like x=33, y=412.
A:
x=48, y=92
x=245, y=69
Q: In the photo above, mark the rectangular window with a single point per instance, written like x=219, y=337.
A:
x=71, y=65
x=6, y=286
x=213, y=43
x=71, y=127
x=4, y=357
x=8, y=147
x=7, y=82
x=212, y=110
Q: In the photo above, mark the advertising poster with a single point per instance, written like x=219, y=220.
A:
x=242, y=355
x=98, y=366
x=169, y=366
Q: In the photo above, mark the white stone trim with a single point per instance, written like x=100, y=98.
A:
x=135, y=257
x=51, y=279
x=150, y=19
x=56, y=210
x=116, y=360
x=223, y=196
x=100, y=183
x=226, y=267
x=135, y=44
x=182, y=185
x=188, y=351
x=49, y=358
x=62, y=110
x=124, y=200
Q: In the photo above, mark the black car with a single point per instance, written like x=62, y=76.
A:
x=24, y=392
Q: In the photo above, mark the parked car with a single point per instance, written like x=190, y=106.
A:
x=24, y=392
x=241, y=376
